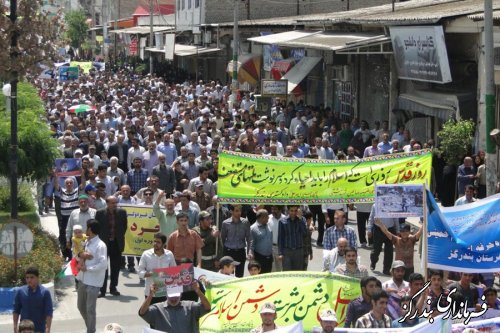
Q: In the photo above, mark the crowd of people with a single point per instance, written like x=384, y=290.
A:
x=146, y=141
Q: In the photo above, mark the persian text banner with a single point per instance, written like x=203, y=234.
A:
x=298, y=296
x=142, y=225
x=245, y=178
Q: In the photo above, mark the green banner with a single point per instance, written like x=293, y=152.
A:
x=236, y=303
x=246, y=178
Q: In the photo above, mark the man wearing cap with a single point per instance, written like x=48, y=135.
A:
x=210, y=253
x=79, y=217
x=397, y=284
x=328, y=321
x=112, y=328
x=268, y=316
x=200, y=196
x=157, y=257
x=175, y=315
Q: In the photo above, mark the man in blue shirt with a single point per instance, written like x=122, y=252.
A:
x=33, y=302
x=291, y=232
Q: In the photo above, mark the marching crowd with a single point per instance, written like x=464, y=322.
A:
x=145, y=141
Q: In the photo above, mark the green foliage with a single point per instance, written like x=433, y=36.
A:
x=76, y=27
x=44, y=255
x=456, y=140
x=24, y=197
x=37, y=150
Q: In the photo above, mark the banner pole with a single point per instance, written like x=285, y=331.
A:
x=217, y=206
x=424, y=231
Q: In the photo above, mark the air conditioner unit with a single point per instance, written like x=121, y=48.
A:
x=347, y=72
x=337, y=73
x=197, y=39
x=207, y=37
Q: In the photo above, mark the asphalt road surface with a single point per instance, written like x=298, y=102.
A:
x=123, y=309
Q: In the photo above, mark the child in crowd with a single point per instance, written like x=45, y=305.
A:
x=78, y=240
x=404, y=244
x=308, y=253
x=253, y=268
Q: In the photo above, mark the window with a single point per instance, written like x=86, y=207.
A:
x=183, y=4
x=189, y=4
x=196, y=3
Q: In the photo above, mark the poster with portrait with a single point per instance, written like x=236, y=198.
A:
x=66, y=167
x=174, y=278
x=395, y=201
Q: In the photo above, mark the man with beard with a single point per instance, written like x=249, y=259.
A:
x=362, y=305
x=175, y=315
x=268, y=316
x=328, y=321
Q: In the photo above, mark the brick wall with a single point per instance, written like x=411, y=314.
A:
x=222, y=10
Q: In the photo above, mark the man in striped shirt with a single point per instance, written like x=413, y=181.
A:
x=291, y=232
x=69, y=202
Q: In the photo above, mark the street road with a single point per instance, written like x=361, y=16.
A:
x=123, y=309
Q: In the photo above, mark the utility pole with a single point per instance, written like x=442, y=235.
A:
x=151, y=36
x=105, y=19
x=489, y=98
x=92, y=13
x=234, y=82
x=13, y=115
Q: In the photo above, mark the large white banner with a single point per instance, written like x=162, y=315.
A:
x=420, y=53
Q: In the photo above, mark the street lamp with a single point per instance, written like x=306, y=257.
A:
x=13, y=116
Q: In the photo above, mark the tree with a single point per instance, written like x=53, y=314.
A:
x=37, y=148
x=35, y=34
x=456, y=140
x=76, y=28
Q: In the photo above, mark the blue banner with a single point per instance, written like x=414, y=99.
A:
x=464, y=238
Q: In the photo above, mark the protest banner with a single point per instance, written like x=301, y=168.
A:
x=68, y=73
x=142, y=225
x=245, y=178
x=172, y=277
x=438, y=326
x=464, y=238
x=84, y=65
x=236, y=303
x=66, y=167
x=488, y=325
x=393, y=201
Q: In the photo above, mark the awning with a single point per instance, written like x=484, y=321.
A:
x=300, y=71
x=282, y=37
x=326, y=40
x=143, y=30
x=374, y=45
x=441, y=105
x=182, y=50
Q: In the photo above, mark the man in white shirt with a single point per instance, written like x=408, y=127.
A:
x=157, y=257
x=336, y=256
x=273, y=223
x=396, y=285
x=93, y=264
